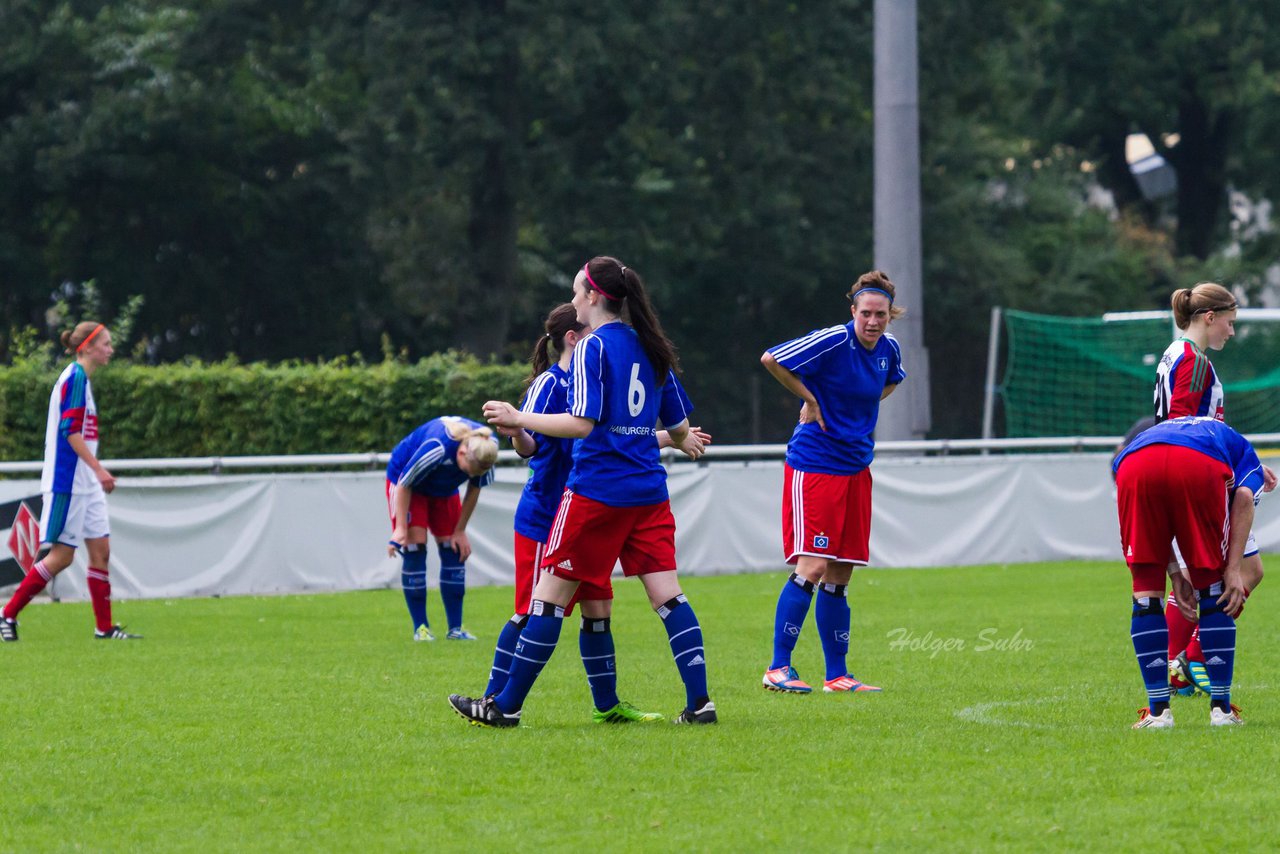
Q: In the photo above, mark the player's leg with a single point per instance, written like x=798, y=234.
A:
x=1181, y=633
x=528, y=555
x=413, y=563
x=61, y=521
x=832, y=616
x=684, y=635
x=1145, y=533
x=444, y=515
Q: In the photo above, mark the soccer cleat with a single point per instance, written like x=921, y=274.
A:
x=1182, y=690
x=848, y=682
x=1199, y=676
x=1146, y=720
x=786, y=680
x=115, y=633
x=460, y=634
x=423, y=634
x=625, y=713
x=1217, y=717
x=704, y=715
x=8, y=630
x=483, y=712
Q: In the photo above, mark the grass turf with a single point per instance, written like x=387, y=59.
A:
x=314, y=721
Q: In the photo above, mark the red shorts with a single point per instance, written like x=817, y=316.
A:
x=439, y=514
x=529, y=554
x=826, y=515
x=1167, y=493
x=588, y=538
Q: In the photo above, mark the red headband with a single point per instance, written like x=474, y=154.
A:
x=85, y=342
x=598, y=289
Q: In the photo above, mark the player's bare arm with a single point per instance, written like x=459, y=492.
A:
x=810, y=411
x=559, y=424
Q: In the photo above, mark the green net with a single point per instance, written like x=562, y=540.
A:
x=1074, y=376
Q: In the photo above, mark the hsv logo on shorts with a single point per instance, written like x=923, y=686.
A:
x=821, y=541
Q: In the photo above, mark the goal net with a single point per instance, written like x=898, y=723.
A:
x=1074, y=376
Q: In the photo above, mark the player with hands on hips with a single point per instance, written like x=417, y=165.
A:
x=841, y=373
x=423, y=476
x=74, y=486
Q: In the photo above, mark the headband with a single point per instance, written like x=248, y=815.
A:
x=854, y=296
x=599, y=289
x=85, y=342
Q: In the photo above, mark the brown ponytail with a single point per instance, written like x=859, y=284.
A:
x=562, y=319
x=1200, y=299
x=622, y=286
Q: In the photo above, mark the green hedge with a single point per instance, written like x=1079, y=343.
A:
x=229, y=409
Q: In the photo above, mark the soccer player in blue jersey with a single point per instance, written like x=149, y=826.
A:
x=615, y=507
x=1193, y=480
x=423, y=477
x=75, y=486
x=841, y=373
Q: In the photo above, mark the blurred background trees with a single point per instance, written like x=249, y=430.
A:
x=312, y=178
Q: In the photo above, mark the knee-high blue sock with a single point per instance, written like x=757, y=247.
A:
x=502, y=653
x=685, y=637
x=595, y=641
x=1218, y=640
x=453, y=584
x=533, y=651
x=1150, y=636
x=793, y=607
x=413, y=578
x=831, y=614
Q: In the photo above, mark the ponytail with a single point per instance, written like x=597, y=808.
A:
x=1200, y=299
x=73, y=339
x=561, y=320
x=622, y=288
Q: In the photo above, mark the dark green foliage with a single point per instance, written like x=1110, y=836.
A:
x=228, y=409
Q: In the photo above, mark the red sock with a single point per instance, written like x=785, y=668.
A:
x=30, y=587
x=100, y=596
x=1180, y=628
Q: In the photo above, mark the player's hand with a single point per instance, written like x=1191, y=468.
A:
x=501, y=414
x=1185, y=594
x=811, y=412
x=1268, y=479
x=508, y=432
x=703, y=436
x=692, y=445
x=1232, y=598
x=459, y=542
x=397, y=542
x=107, y=479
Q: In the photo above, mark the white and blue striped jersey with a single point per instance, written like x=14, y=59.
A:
x=71, y=411
x=550, y=464
x=847, y=380
x=612, y=383
x=427, y=459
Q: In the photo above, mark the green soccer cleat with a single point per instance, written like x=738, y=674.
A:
x=625, y=713
x=423, y=634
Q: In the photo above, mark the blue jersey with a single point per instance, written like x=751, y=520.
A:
x=612, y=383
x=549, y=466
x=847, y=380
x=1211, y=438
x=427, y=459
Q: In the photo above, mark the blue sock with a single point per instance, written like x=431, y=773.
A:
x=685, y=637
x=453, y=584
x=596, y=644
x=793, y=606
x=502, y=653
x=533, y=651
x=1218, y=640
x=832, y=617
x=413, y=578
x=1150, y=635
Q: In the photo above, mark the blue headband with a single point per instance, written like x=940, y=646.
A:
x=874, y=291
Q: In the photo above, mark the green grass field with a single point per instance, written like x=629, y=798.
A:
x=314, y=723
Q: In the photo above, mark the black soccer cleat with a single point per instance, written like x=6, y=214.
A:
x=8, y=630
x=483, y=712
x=704, y=715
x=115, y=633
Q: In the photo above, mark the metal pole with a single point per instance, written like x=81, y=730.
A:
x=993, y=357
x=897, y=240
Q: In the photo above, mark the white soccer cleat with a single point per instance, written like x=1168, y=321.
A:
x=1146, y=720
x=1217, y=717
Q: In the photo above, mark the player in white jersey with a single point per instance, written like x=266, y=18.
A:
x=74, y=486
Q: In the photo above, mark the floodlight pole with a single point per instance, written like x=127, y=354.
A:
x=897, y=242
